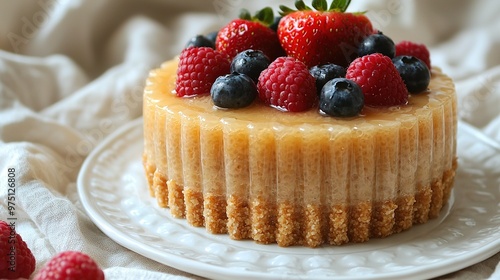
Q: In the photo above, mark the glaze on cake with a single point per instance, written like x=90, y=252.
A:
x=299, y=178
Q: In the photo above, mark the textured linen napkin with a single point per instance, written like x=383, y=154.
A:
x=72, y=72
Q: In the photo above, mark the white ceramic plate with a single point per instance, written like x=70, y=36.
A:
x=112, y=188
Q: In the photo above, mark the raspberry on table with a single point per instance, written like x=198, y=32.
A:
x=71, y=265
x=287, y=85
x=198, y=69
x=17, y=259
x=419, y=51
x=379, y=79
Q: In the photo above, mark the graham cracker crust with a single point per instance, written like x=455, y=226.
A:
x=288, y=224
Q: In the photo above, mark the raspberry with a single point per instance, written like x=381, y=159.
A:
x=379, y=79
x=198, y=69
x=287, y=85
x=71, y=265
x=419, y=51
x=16, y=258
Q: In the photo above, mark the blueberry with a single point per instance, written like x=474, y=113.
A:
x=325, y=73
x=414, y=72
x=200, y=41
x=250, y=63
x=341, y=97
x=377, y=43
x=212, y=36
x=233, y=90
x=274, y=25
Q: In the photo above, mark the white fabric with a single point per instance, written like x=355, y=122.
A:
x=72, y=72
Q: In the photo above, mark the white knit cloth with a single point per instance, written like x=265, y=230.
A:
x=72, y=72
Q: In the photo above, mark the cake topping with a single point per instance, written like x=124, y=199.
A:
x=325, y=73
x=200, y=41
x=251, y=63
x=249, y=32
x=341, y=97
x=276, y=22
x=377, y=43
x=379, y=79
x=212, y=36
x=324, y=35
x=323, y=39
x=414, y=73
x=419, y=51
x=287, y=85
x=233, y=91
x=198, y=69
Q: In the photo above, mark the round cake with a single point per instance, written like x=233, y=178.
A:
x=299, y=178
x=307, y=129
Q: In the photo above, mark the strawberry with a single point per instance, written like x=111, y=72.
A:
x=324, y=35
x=419, y=51
x=249, y=32
x=287, y=85
x=379, y=80
x=71, y=265
x=198, y=68
x=17, y=259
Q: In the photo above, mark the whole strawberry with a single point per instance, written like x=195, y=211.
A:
x=198, y=68
x=324, y=35
x=71, y=265
x=249, y=32
x=379, y=80
x=287, y=85
x=419, y=51
x=16, y=258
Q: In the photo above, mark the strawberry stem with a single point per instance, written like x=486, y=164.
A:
x=301, y=6
x=245, y=14
x=264, y=16
x=285, y=10
x=318, y=5
x=340, y=5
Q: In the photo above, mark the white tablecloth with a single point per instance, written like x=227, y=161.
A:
x=72, y=72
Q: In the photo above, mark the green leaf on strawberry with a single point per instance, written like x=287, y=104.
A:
x=322, y=34
x=340, y=5
x=264, y=16
x=320, y=5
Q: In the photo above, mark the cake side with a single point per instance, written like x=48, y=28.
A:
x=349, y=180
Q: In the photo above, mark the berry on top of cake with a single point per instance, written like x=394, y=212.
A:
x=322, y=34
x=250, y=32
x=323, y=39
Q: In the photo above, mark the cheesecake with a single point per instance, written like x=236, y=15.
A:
x=299, y=178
